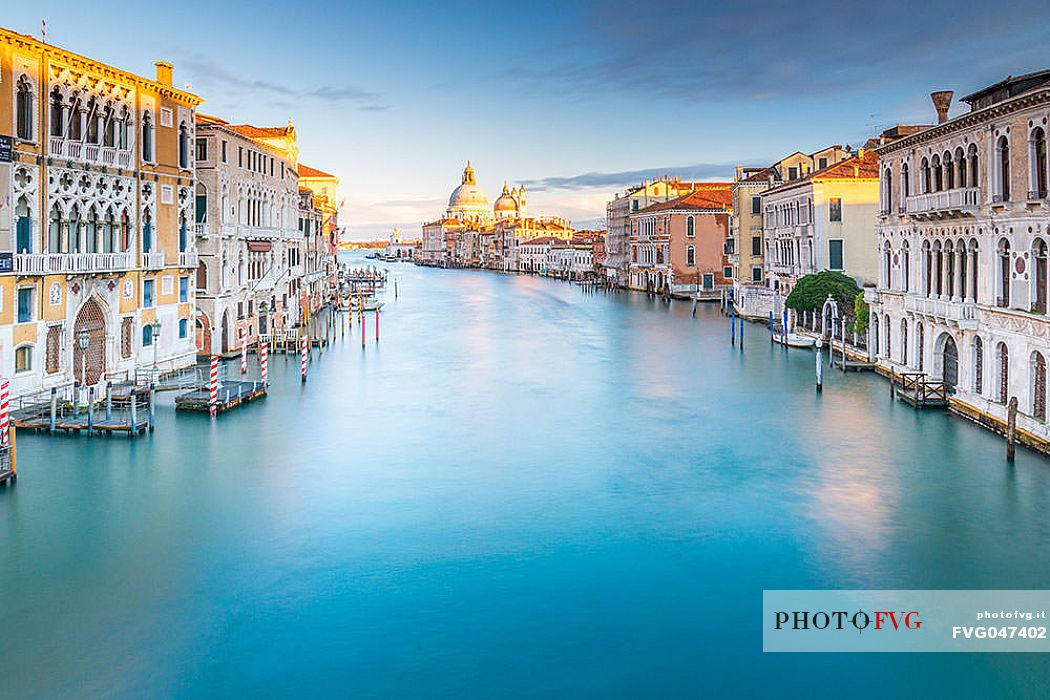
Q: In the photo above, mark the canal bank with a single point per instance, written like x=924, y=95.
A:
x=524, y=490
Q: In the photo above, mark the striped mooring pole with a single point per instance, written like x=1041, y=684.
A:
x=213, y=386
x=244, y=352
x=264, y=360
x=5, y=414
x=303, y=342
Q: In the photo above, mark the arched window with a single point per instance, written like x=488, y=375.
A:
x=905, y=186
x=124, y=130
x=690, y=255
x=1039, y=385
x=1039, y=296
x=24, y=358
x=1002, y=360
x=23, y=227
x=1003, y=256
x=938, y=180
x=924, y=175
x=57, y=114
x=949, y=171
x=91, y=232
x=92, y=122
x=147, y=137
x=184, y=239
x=1037, y=159
x=904, y=341
x=887, y=185
x=927, y=254
x=1002, y=154
x=886, y=269
x=76, y=121
x=202, y=275
x=73, y=231
x=109, y=237
x=24, y=110
x=875, y=334
x=54, y=230
x=975, y=170
x=978, y=365
x=184, y=147
x=889, y=345
x=690, y=227
x=905, y=266
x=919, y=340
x=960, y=166
x=109, y=127
x=938, y=263
x=949, y=253
x=147, y=335
x=147, y=232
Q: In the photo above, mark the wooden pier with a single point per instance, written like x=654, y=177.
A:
x=74, y=409
x=231, y=394
x=914, y=390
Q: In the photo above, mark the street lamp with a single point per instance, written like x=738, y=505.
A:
x=155, y=336
x=83, y=341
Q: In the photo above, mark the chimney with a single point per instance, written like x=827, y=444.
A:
x=739, y=172
x=860, y=152
x=163, y=72
x=942, y=100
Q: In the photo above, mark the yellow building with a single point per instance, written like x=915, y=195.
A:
x=97, y=167
x=320, y=285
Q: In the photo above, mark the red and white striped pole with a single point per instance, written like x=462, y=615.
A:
x=244, y=352
x=264, y=360
x=213, y=386
x=303, y=341
x=5, y=414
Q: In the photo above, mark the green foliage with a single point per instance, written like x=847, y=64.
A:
x=811, y=291
x=860, y=313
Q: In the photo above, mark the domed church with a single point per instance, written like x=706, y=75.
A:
x=468, y=202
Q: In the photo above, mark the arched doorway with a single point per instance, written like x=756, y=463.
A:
x=89, y=364
x=203, y=334
x=949, y=363
x=225, y=332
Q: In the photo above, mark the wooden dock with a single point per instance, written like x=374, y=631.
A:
x=71, y=409
x=231, y=395
x=917, y=392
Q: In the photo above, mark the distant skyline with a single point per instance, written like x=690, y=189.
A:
x=574, y=100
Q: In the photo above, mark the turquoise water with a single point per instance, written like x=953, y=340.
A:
x=525, y=490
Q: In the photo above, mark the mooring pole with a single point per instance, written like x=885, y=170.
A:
x=377, y=324
x=152, y=406
x=741, y=324
x=76, y=399
x=732, y=327
x=1011, y=428
x=134, y=413
x=54, y=409
x=770, y=326
x=109, y=400
x=820, y=366
x=91, y=410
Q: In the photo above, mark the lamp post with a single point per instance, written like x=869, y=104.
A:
x=83, y=341
x=156, y=340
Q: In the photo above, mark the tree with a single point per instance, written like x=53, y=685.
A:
x=812, y=291
x=860, y=312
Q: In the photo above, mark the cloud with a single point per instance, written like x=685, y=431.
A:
x=757, y=50
x=627, y=177
x=211, y=70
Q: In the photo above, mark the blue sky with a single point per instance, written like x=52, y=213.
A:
x=577, y=100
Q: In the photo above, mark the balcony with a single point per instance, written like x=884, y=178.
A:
x=963, y=314
x=188, y=259
x=72, y=263
x=153, y=260
x=937, y=205
x=89, y=152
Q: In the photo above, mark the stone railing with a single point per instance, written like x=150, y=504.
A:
x=153, y=260
x=60, y=147
x=964, y=313
x=52, y=263
x=958, y=199
x=188, y=259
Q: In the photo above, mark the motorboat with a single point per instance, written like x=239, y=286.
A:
x=794, y=340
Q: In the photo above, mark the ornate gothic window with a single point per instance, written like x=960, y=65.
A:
x=24, y=110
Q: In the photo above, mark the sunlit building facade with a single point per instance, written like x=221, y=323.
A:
x=96, y=249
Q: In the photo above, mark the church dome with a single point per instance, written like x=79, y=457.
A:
x=506, y=202
x=468, y=196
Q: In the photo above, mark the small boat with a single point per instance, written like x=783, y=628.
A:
x=794, y=340
x=368, y=305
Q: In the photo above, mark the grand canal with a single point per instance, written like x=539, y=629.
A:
x=525, y=490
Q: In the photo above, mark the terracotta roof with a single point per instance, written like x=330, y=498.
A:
x=307, y=171
x=856, y=167
x=209, y=119
x=538, y=241
x=760, y=176
x=262, y=132
x=697, y=200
